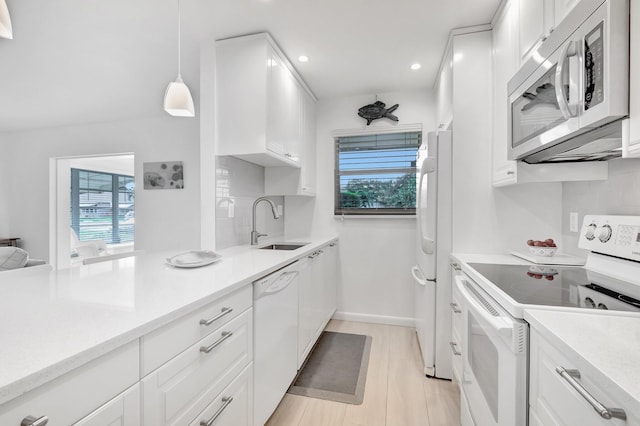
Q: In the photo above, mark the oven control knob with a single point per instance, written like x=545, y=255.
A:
x=602, y=306
x=590, y=232
x=589, y=303
x=605, y=233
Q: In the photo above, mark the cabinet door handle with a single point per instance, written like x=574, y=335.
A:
x=606, y=413
x=453, y=348
x=315, y=254
x=455, y=308
x=224, y=311
x=225, y=336
x=456, y=267
x=510, y=173
x=226, y=400
x=333, y=244
x=32, y=421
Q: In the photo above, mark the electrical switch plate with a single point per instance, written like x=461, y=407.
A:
x=573, y=222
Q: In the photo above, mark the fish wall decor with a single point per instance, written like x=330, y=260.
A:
x=377, y=110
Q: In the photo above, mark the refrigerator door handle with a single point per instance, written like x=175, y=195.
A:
x=418, y=277
x=427, y=244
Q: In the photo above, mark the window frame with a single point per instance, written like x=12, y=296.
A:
x=369, y=212
x=75, y=209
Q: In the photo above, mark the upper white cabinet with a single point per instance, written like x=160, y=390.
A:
x=259, y=102
x=536, y=19
x=631, y=145
x=444, y=91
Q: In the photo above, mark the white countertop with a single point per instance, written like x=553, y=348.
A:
x=608, y=343
x=55, y=321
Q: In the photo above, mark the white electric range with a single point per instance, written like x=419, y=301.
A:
x=494, y=296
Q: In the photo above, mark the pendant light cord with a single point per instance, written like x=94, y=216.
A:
x=179, y=41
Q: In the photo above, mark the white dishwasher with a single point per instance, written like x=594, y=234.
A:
x=275, y=331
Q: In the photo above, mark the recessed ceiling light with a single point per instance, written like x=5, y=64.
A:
x=303, y=58
x=416, y=66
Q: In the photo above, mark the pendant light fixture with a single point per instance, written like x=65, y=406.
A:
x=177, y=97
x=5, y=21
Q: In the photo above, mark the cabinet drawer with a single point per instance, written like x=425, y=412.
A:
x=175, y=393
x=163, y=344
x=554, y=401
x=122, y=410
x=456, y=354
x=73, y=396
x=233, y=406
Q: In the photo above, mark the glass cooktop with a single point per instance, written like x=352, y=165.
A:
x=557, y=286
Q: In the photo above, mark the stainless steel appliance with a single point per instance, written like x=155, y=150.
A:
x=567, y=102
x=494, y=297
x=431, y=274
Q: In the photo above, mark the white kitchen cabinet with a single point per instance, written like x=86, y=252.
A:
x=554, y=401
x=122, y=410
x=184, y=387
x=505, y=59
x=562, y=9
x=233, y=406
x=258, y=102
x=536, y=22
x=456, y=325
x=631, y=144
x=317, y=297
x=294, y=181
x=73, y=396
x=444, y=90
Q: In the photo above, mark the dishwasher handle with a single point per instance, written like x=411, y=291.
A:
x=273, y=285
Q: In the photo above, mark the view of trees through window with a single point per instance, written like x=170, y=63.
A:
x=102, y=206
x=376, y=174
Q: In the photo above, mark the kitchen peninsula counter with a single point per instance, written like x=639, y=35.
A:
x=56, y=321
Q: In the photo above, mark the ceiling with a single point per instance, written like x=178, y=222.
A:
x=82, y=61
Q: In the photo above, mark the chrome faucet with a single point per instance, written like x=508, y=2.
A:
x=255, y=234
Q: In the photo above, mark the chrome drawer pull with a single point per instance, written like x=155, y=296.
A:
x=453, y=348
x=223, y=312
x=315, y=254
x=32, y=421
x=456, y=267
x=226, y=401
x=606, y=413
x=456, y=309
x=225, y=336
x=333, y=244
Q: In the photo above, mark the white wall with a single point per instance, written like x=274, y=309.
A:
x=618, y=195
x=238, y=184
x=376, y=254
x=5, y=160
x=487, y=219
x=165, y=219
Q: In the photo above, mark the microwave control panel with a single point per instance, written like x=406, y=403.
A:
x=613, y=235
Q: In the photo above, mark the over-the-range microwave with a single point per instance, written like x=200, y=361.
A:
x=568, y=101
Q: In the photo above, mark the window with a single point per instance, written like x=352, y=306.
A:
x=102, y=206
x=376, y=174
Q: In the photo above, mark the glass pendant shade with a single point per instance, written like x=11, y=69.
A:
x=177, y=99
x=5, y=21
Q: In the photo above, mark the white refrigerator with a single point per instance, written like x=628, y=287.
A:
x=433, y=245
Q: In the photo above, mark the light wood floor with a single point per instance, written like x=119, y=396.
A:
x=396, y=391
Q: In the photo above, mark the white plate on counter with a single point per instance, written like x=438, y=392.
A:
x=193, y=259
x=556, y=259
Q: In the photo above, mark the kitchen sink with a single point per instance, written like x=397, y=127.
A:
x=283, y=246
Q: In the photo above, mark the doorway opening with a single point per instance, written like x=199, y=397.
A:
x=93, y=207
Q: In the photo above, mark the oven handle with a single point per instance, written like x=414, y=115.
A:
x=498, y=323
x=565, y=108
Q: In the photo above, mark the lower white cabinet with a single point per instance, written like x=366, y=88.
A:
x=553, y=400
x=456, y=326
x=122, y=410
x=74, y=397
x=318, y=281
x=180, y=390
x=233, y=406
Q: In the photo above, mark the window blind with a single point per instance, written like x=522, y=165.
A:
x=102, y=206
x=376, y=174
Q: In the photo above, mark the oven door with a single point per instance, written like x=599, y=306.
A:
x=495, y=348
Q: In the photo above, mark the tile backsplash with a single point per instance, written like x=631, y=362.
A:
x=618, y=195
x=238, y=184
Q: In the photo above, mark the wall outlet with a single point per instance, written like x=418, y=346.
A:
x=573, y=222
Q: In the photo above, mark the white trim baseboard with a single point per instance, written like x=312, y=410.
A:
x=375, y=319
